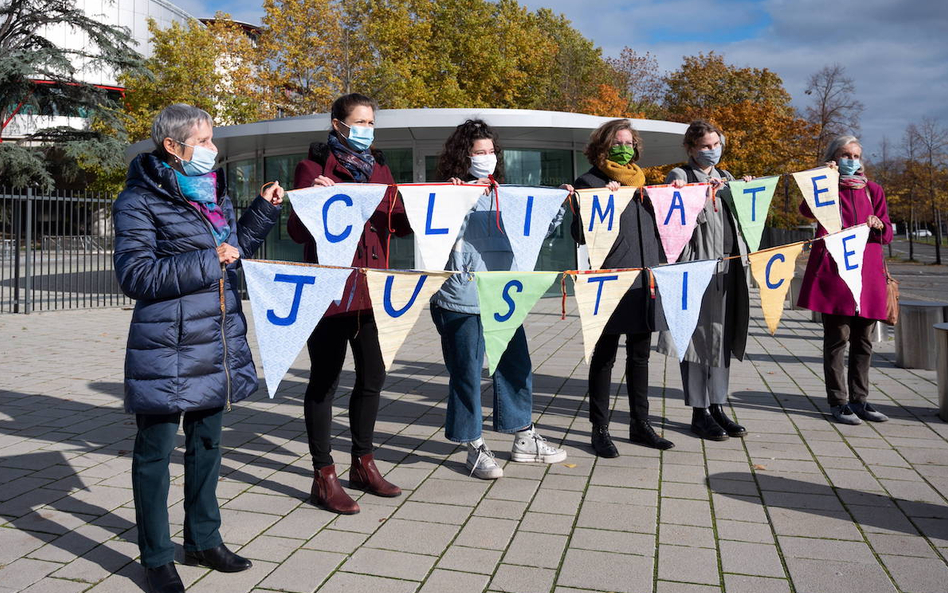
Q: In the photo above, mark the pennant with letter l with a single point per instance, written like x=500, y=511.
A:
x=287, y=302
x=676, y=212
x=436, y=213
x=847, y=248
x=750, y=201
x=527, y=214
x=335, y=217
x=682, y=288
x=597, y=296
x=820, y=189
x=600, y=210
x=397, y=300
x=773, y=270
x=505, y=299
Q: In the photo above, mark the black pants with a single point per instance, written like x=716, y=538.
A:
x=637, y=347
x=327, y=354
x=837, y=331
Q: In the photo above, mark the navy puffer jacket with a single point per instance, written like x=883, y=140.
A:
x=187, y=345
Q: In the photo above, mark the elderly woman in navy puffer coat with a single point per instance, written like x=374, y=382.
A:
x=177, y=244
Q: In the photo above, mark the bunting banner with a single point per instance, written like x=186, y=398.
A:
x=847, y=248
x=773, y=270
x=600, y=210
x=335, y=216
x=750, y=201
x=398, y=297
x=820, y=188
x=505, y=298
x=436, y=214
x=287, y=302
x=528, y=214
x=682, y=288
x=676, y=212
x=597, y=296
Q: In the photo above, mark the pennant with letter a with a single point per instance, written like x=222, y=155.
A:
x=682, y=288
x=505, y=299
x=750, y=201
x=287, y=302
x=397, y=300
x=597, y=296
x=600, y=210
x=436, y=213
x=676, y=212
x=335, y=217
x=847, y=248
x=527, y=214
x=820, y=189
x=773, y=270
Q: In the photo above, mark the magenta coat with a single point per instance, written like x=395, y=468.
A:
x=823, y=290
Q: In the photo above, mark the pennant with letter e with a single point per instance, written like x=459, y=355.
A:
x=676, y=212
x=820, y=189
x=848, y=248
x=527, y=214
x=335, y=216
x=750, y=201
x=436, y=213
x=398, y=298
x=682, y=288
x=287, y=302
x=600, y=210
x=773, y=270
x=597, y=296
x=505, y=299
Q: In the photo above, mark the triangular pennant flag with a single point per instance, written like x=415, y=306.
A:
x=773, y=270
x=682, y=287
x=527, y=214
x=597, y=296
x=820, y=188
x=287, y=302
x=505, y=299
x=436, y=213
x=676, y=212
x=335, y=217
x=750, y=201
x=397, y=300
x=600, y=210
x=847, y=248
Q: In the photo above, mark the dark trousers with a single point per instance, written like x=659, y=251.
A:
x=837, y=331
x=703, y=384
x=327, y=354
x=151, y=479
x=637, y=349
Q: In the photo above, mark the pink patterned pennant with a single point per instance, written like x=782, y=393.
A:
x=676, y=211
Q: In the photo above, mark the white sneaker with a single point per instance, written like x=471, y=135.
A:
x=481, y=462
x=530, y=447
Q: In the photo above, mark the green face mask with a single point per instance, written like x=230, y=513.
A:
x=621, y=154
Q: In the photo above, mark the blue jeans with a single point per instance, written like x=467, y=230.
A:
x=462, y=342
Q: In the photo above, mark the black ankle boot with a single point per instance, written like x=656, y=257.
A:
x=219, y=558
x=163, y=579
x=704, y=425
x=602, y=442
x=730, y=427
x=641, y=432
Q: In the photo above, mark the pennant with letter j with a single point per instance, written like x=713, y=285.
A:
x=600, y=210
x=750, y=201
x=848, y=248
x=773, y=270
x=597, y=296
x=436, y=213
x=528, y=213
x=676, y=212
x=682, y=288
x=820, y=188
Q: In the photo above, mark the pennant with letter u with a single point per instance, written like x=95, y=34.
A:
x=597, y=296
x=848, y=248
x=773, y=270
x=528, y=213
x=682, y=288
x=600, y=210
x=676, y=212
x=820, y=189
x=436, y=213
x=750, y=201
x=397, y=300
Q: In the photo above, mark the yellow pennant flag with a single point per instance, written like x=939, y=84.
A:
x=820, y=188
x=600, y=210
x=597, y=296
x=773, y=270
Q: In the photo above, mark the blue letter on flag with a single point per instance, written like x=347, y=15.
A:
x=518, y=286
x=300, y=282
x=334, y=238
x=387, y=297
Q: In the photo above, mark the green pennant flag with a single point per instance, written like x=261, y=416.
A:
x=505, y=299
x=750, y=201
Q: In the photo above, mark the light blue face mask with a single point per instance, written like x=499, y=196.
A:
x=849, y=166
x=708, y=158
x=360, y=137
x=201, y=163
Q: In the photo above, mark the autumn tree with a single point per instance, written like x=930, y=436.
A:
x=835, y=109
x=932, y=140
x=640, y=82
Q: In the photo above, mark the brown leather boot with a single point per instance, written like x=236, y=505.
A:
x=328, y=494
x=364, y=475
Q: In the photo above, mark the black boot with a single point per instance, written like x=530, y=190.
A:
x=163, y=579
x=219, y=558
x=730, y=427
x=602, y=442
x=641, y=432
x=704, y=425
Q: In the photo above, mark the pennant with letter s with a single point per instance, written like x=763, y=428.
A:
x=848, y=248
x=600, y=210
x=528, y=213
x=820, y=188
x=750, y=201
x=682, y=288
x=597, y=296
x=436, y=213
x=773, y=270
x=676, y=212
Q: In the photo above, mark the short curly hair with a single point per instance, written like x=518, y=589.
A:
x=696, y=131
x=602, y=138
x=455, y=157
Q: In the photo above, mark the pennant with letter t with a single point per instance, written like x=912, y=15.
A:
x=335, y=217
x=597, y=296
x=527, y=214
x=773, y=270
x=676, y=212
x=750, y=201
x=682, y=288
x=820, y=189
x=848, y=248
x=600, y=210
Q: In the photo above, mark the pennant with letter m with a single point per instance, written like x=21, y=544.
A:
x=436, y=213
x=529, y=215
x=676, y=212
x=682, y=288
x=597, y=296
x=750, y=201
x=848, y=248
x=600, y=210
x=773, y=270
x=820, y=188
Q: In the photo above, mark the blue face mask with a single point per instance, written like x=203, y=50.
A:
x=201, y=163
x=708, y=158
x=360, y=137
x=849, y=166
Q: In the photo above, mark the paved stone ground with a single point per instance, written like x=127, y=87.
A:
x=801, y=504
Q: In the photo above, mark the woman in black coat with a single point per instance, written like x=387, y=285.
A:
x=613, y=149
x=176, y=247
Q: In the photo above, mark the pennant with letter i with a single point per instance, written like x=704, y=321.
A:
x=597, y=296
x=676, y=212
x=847, y=248
x=773, y=270
x=682, y=288
x=397, y=300
x=436, y=213
x=527, y=214
x=335, y=217
x=287, y=302
x=820, y=189
x=505, y=299
x=750, y=201
x=600, y=210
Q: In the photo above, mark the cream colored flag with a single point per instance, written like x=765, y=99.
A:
x=397, y=300
x=597, y=296
x=773, y=270
x=600, y=210
x=820, y=189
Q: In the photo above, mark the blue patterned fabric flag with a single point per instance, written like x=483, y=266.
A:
x=682, y=287
x=335, y=217
x=530, y=214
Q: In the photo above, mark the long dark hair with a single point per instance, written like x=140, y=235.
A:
x=455, y=157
